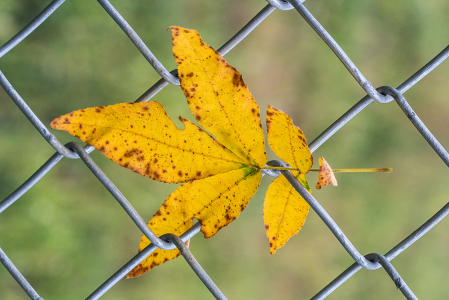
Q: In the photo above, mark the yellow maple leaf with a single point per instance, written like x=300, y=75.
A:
x=285, y=210
x=220, y=174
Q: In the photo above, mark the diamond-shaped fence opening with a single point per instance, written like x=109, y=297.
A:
x=62, y=234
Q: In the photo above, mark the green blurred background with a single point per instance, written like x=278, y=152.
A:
x=67, y=234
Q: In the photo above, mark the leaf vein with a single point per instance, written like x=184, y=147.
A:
x=168, y=145
x=221, y=193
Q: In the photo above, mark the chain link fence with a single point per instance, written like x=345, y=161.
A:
x=72, y=150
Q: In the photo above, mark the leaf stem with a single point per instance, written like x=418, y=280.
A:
x=383, y=170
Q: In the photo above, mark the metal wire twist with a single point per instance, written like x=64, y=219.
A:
x=169, y=241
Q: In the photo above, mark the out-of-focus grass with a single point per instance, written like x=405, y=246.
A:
x=67, y=234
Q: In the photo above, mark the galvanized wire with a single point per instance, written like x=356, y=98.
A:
x=327, y=38
x=365, y=101
x=160, y=69
x=24, y=284
x=398, y=249
x=133, y=262
x=169, y=241
x=30, y=27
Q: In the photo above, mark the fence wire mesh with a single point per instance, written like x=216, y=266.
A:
x=381, y=95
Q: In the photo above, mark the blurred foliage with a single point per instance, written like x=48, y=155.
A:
x=67, y=234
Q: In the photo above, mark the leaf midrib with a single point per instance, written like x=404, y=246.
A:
x=221, y=105
x=221, y=193
x=168, y=145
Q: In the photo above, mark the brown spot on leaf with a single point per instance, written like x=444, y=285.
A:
x=148, y=169
x=132, y=152
x=237, y=80
x=180, y=173
x=268, y=125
